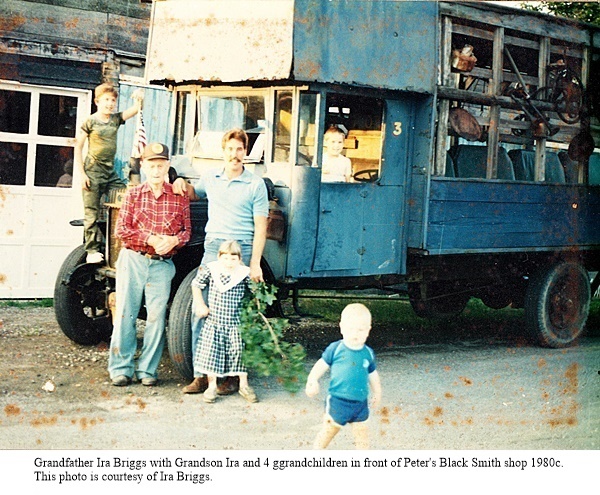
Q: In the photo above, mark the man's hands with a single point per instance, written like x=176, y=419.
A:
x=180, y=186
x=256, y=272
x=163, y=244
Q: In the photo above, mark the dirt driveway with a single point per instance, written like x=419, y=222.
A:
x=472, y=391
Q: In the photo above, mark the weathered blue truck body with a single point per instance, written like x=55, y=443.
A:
x=455, y=192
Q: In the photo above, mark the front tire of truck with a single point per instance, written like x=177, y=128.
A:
x=179, y=330
x=80, y=303
x=557, y=304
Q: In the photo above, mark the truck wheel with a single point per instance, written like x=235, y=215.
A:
x=436, y=304
x=557, y=304
x=179, y=330
x=80, y=301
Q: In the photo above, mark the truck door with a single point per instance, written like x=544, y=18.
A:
x=360, y=220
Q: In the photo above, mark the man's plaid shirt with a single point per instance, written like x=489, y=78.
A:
x=143, y=215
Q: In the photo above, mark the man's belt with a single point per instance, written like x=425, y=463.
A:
x=154, y=256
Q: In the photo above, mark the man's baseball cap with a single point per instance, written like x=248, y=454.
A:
x=154, y=151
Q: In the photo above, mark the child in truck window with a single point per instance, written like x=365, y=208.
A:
x=336, y=167
x=353, y=375
x=219, y=348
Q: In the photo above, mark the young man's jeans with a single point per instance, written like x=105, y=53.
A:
x=211, y=253
x=139, y=276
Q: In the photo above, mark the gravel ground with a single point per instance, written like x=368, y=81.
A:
x=472, y=391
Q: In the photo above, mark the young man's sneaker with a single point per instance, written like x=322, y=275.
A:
x=121, y=381
x=210, y=395
x=149, y=381
x=96, y=257
x=248, y=394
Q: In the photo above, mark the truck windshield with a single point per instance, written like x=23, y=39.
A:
x=217, y=114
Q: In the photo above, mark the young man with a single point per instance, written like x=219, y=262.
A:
x=153, y=224
x=238, y=207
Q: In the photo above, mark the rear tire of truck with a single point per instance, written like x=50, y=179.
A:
x=80, y=307
x=179, y=329
x=436, y=305
x=557, y=304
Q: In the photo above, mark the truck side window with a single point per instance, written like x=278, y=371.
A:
x=360, y=119
x=184, y=115
x=307, y=129
x=282, y=131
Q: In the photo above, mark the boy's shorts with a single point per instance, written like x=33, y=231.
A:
x=344, y=411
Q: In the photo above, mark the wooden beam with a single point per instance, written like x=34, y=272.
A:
x=494, y=88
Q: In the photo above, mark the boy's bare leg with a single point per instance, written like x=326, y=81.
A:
x=361, y=435
x=329, y=430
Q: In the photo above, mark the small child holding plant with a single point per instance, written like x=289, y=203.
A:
x=220, y=345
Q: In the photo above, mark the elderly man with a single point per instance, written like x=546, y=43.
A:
x=153, y=224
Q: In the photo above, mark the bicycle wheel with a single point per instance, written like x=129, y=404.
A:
x=568, y=98
x=544, y=93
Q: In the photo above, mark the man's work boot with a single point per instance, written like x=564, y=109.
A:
x=199, y=385
x=229, y=385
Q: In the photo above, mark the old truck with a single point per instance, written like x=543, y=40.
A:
x=470, y=128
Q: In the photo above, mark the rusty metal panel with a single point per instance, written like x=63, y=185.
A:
x=384, y=44
x=226, y=40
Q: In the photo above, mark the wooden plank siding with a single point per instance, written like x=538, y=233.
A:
x=473, y=216
x=118, y=25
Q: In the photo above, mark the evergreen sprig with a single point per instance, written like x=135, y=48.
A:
x=265, y=350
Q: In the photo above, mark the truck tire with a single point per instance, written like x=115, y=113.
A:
x=557, y=304
x=80, y=301
x=179, y=329
x=436, y=305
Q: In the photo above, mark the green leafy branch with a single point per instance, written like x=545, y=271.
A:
x=265, y=350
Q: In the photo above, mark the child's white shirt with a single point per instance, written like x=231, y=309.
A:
x=336, y=169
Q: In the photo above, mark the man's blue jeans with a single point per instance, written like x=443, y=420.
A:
x=211, y=252
x=139, y=276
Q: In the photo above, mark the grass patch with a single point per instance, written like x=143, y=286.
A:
x=397, y=312
x=392, y=310
x=27, y=303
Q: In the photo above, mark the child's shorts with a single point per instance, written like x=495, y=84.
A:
x=344, y=411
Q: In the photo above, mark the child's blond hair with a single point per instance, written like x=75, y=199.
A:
x=355, y=311
x=104, y=88
x=230, y=247
x=334, y=129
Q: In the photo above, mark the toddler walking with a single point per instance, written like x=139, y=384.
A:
x=220, y=345
x=353, y=373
